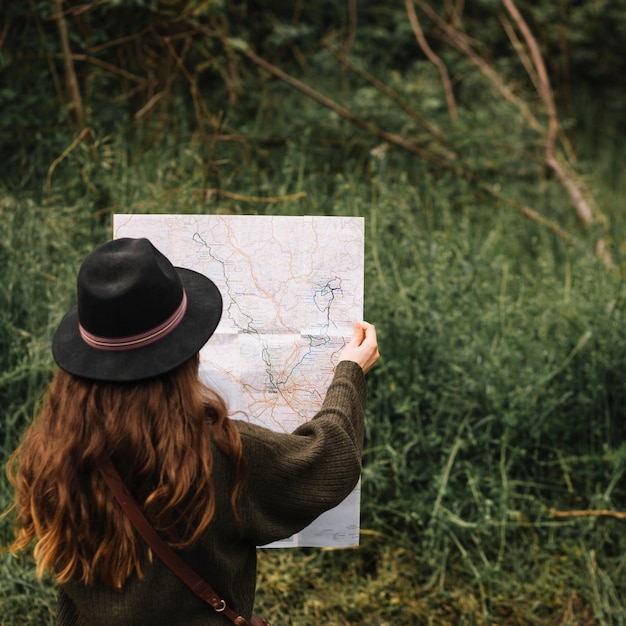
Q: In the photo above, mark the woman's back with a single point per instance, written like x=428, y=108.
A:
x=212, y=487
x=291, y=479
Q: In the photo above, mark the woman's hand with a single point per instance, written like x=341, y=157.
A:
x=363, y=348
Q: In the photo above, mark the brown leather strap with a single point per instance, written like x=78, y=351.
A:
x=197, y=584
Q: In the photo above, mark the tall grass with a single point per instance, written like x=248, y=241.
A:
x=498, y=399
x=40, y=245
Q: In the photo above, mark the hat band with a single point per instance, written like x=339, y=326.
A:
x=140, y=340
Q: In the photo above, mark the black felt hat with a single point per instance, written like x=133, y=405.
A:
x=136, y=315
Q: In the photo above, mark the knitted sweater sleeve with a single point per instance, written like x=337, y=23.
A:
x=293, y=478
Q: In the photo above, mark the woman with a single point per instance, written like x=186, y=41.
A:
x=127, y=388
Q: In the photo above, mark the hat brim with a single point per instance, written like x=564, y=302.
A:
x=204, y=311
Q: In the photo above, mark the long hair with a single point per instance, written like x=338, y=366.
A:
x=157, y=432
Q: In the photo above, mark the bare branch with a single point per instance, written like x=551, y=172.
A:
x=588, y=513
x=526, y=211
x=434, y=58
x=71, y=82
x=583, y=210
x=391, y=138
x=83, y=133
x=540, y=77
x=109, y=67
x=393, y=95
x=403, y=143
x=148, y=106
x=544, y=90
x=521, y=51
x=199, y=104
x=459, y=41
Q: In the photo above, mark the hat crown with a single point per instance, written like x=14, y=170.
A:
x=126, y=287
x=137, y=315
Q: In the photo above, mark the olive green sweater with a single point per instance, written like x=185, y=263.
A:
x=292, y=479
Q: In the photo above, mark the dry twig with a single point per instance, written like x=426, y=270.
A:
x=391, y=138
x=393, y=95
x=434, y=58
x=460, y=41
x=71, y=82
x=588, y=513
x=583, y=210
x=85, y=132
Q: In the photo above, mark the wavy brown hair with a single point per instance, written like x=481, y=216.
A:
x=157, y=432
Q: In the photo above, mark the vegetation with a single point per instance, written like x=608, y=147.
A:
x=483, y=145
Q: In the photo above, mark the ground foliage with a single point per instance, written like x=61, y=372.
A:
x=498, y=406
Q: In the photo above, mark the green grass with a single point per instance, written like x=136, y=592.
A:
x=499, y=395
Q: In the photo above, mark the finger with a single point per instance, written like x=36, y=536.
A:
x=358, y=334
x=369, y=333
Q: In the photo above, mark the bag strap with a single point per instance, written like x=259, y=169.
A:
x=189, y=576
